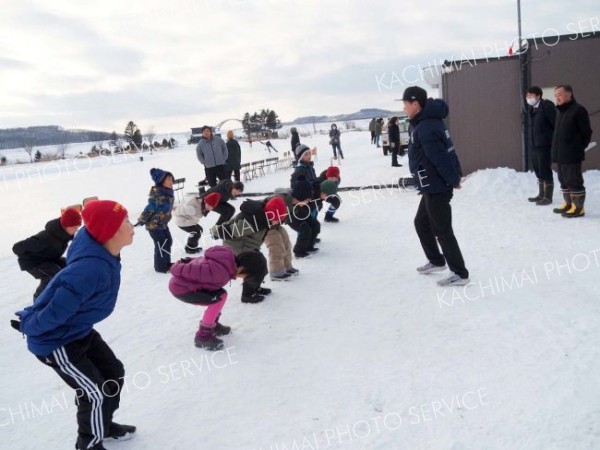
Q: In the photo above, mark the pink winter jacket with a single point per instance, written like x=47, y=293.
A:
x=210, y=272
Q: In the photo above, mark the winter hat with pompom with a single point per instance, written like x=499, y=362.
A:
x=158, y=175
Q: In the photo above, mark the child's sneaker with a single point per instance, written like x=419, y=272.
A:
x=430, y=268
x=453, y=280
x=280, y=276
x=293, y=271
x=120, y=432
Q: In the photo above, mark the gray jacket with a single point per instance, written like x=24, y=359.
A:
x=211, y=153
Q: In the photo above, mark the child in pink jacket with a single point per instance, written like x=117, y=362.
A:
x=200, y=281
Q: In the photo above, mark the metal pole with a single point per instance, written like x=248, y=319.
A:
x=524, y=156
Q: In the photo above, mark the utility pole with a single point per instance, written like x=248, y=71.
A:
x=522, y=62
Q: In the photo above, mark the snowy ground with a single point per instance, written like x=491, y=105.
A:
x=359, y=352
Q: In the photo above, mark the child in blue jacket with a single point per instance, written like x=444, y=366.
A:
x=59, y=324
x=156, y=217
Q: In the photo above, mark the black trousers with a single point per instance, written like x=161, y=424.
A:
x=44, y=272
x=307, y=230
x=214, y=173
x=90, y=367
x=395, y=152
x=571, y=178
x=434, y=220
x=542, y=164
x=194, y=236
x=235, y=173
x=255, y=264
x=225, y=211
x=162, y=249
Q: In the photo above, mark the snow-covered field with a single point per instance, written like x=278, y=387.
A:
x=359, y=351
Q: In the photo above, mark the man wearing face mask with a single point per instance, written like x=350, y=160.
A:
x=542, y=116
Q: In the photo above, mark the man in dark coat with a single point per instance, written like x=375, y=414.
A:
x=394, y=140
x=542, y=115
x=234, y=157
x=436, y=169
x=41, y=255
x=572, y=134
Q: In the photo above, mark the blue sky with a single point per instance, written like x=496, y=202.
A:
x=175, y=64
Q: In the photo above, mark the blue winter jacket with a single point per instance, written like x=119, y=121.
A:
x=80, y=295
x=431, y=156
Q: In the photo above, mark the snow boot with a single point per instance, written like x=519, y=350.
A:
x=540, y=195
x=192, y=250
x=263, y=291
x=95, y=447
x=301, y=255
x=205, y=338
x=547, y=196
x=312, y=250
x=566, y=203
x=331, y=218
x=252, y=298
x=220, y=329
x=120, y=432
x=576, y=209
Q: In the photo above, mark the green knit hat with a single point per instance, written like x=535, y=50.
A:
x=329, y=187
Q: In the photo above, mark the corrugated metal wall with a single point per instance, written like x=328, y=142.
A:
x=483, y=98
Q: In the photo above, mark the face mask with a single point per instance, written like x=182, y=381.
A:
x=532, y=101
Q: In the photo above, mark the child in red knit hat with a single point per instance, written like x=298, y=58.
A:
x=278, y=241
x=189, y=213
x=41, y=255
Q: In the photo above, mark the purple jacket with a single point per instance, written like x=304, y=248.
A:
x=211, y=272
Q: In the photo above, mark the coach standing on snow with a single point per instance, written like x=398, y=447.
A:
x=436, y=170
x=212, y=153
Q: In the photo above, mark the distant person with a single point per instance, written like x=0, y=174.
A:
x=269, y=146
x=372, y=129
x=234, y=157
x=212, y=154
x=60, y=324
x=250, y=141
x=542, y=116
x=436, y=170
x=156, y=217
x=378, y=131
x=41, y=255
x=394, y=140
x=295, y=141
x=572, y=134
x=334, y=141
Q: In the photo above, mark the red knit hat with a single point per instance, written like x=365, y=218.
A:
x=212, y=199
x=70, y=217
x=332, y=172
x=103, y=218
x=276, y=209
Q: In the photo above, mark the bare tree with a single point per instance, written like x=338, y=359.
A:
x=29, y=148
x=150, y=135
x=61, y=149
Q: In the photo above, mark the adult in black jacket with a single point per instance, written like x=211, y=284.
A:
x=572, y=134
x=295, y=141
x=41, y=255
x=542, y=115
x=234, y=156
x=435, y=167
x=394, y=139
x=227, y=189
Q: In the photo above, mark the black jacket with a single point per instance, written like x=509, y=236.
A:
x=572, y=133
x=432, y=159
x=295, y=141
x=234, y=154
x=223, y=188
x=306, y=170
x=541, y=122
x=394, y=135
x=46, y=246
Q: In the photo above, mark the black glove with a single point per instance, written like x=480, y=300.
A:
x=16, y=324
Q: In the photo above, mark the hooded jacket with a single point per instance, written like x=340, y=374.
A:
x=432, y=159
x=211, y=272
x=158, y=211
x=79, y=296
x=46, y=246
x=212, y=152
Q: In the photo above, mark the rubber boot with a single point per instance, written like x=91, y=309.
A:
x=547, y=197
x=576, y=210
x=566, y=203
x=205, y=338
x=540, y=192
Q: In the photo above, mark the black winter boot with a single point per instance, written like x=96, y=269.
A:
x=540, y=192
x=120, y=432
x=547, y=197
x=220, y=329
x=205, y=338
x=577, y=206
x=566, y=203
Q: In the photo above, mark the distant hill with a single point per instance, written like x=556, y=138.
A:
x=47, y=135
x=367, y=113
